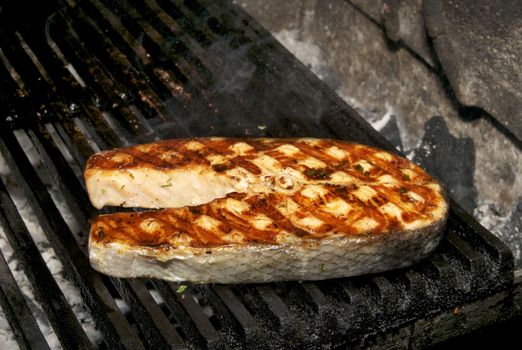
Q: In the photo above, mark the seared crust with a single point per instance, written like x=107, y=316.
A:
x=332, y=257
x=178, y=173
x=336, y=155
x=271, y=218
x=323, y=208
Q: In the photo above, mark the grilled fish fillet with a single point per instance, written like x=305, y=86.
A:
x=259, y=210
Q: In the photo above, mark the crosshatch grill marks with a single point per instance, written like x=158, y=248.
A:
x=208, y=224
x=301, y=204
x=242, y=223
x=266, y=206
x=244, y=162
x=402, y=196
x=395, y=197
x=343, y=222
x=318, y=152
x=258, y=165
x=330, y=221
x=186, y=152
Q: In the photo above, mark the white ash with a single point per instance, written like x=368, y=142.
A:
x=156, y=296
x=27, y=291
x=306, y=51
x=309, y=53
x=122, y=305
x=6, y=334
x=7, y=337
x=491, y=217
x=71, y=293
x=381, y=123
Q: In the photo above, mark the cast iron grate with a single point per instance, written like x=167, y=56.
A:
x=81, y=76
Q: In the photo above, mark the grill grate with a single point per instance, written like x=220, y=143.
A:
x=80, y=76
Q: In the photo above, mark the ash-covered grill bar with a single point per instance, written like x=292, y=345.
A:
x=81, y=76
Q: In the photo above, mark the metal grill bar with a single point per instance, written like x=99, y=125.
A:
x=232, y=314
x=15, y=307
x=116, y=62
x=75, y=263
x=53, y=301
x=189, y=315
x=62, y=174
x=153, y=324
x=152, y=321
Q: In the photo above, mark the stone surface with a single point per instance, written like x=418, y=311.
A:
x=371, y=8
x=478, y=43
x=398, y=94
x=404, y=24
x=277, y=15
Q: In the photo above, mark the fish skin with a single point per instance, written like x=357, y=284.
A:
x=304, y=216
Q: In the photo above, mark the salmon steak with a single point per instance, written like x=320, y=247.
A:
x=237, y=210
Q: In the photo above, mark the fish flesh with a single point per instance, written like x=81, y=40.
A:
x=260, y=210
